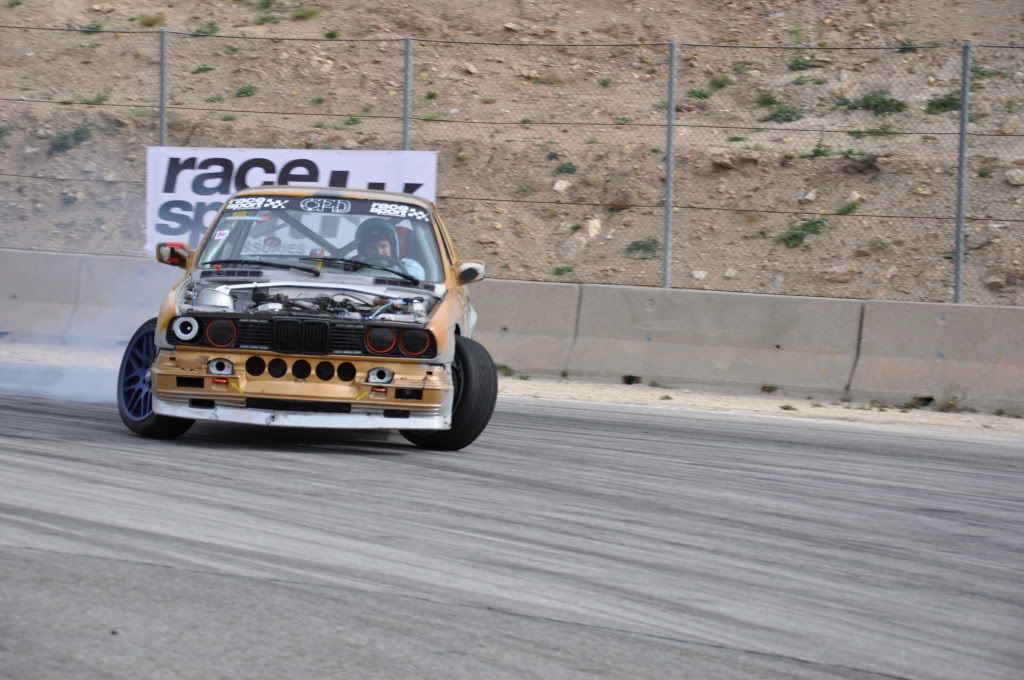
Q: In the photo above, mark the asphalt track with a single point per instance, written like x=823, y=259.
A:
x=572, y=541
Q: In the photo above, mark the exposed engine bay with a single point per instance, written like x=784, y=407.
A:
x=343, y=302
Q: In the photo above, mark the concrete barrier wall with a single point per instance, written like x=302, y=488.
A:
x=972, y=355
x=730, y=341
x=526, y=325
x=38, y=292
x=82, y=298
x=681, y=337
x=117, y=294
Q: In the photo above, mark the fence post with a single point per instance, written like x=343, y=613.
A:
x=163, y=87
x=961, y=172
x=670, y=164
x=407, y=101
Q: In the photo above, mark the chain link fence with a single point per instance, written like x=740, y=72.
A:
x=806, y=171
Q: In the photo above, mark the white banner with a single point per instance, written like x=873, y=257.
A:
x=185, y=187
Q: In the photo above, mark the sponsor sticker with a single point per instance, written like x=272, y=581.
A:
x=221, y=234
x=257, y=203
x=399, y=210
x=337, y=206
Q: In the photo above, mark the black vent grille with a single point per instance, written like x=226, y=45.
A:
x=346, y=340
x=255, y=334
x=315, y=337
x=301, y=337
x=287, y=337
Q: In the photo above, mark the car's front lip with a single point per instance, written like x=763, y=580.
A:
x=360, y=418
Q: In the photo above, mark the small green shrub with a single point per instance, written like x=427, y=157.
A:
x=736, y=138
x=575, y=227
x=795, y=235
x=202, y=68
x=567, y=168
x=802, y=80
x=246, y=90
x=855, y=154
x=65, y=140
x=488, y=100
x=430, y=95
x=878, y=102
x=623, y=120
x=562, y=270
x=266, y=5
x=944, y=103
x=99, y=99
x=847, y=209
x=228, y=117
x=317, y=100
x=304, y=13
x=4, y=131
x=698, y=93
x=331, y=35
x=209, y=28
x=353, y=120
x=979, y=71
x=800, y=63
x=767, y=99
x=265, y=19
x=984, y=171
x=818, y=151
x=719, y=82
x=152, y=20
x=13, y=3
x=232, y=49
x=783, y=113
x=905, y=46
x=215, y=98
x=644, y=249
x=91, y=27
x=605, y=82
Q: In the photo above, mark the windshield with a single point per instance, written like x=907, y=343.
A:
x=366, y=237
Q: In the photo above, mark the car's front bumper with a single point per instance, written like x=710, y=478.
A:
x=418, y=397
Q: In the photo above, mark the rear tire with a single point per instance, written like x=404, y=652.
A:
x=135, y=389
x=476, y=391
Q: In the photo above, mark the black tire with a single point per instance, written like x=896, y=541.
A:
x=134, y=390
x=476, y=390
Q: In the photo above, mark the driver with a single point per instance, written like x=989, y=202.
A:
x=377, y=241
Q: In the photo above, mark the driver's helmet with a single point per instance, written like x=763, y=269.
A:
x=377, y=229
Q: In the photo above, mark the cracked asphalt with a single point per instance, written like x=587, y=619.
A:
x=571, y=541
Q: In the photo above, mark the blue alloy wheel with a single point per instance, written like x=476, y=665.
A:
x=136, y=381
x=135, y=389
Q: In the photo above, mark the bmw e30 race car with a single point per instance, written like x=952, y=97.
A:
x=311, y=307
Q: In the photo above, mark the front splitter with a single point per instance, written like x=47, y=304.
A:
x=362, y=419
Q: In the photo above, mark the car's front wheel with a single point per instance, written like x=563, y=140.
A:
x=475, y=381
x=135, y=389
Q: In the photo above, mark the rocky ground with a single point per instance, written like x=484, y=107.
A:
x=542, y=127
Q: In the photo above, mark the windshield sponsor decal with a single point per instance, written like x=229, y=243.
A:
x=221, y=234
x=399, y=210
x=257, y=203
x=337, y=206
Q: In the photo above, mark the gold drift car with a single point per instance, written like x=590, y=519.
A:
x=315, y=308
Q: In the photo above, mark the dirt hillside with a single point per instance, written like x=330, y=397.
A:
x=569, y=139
